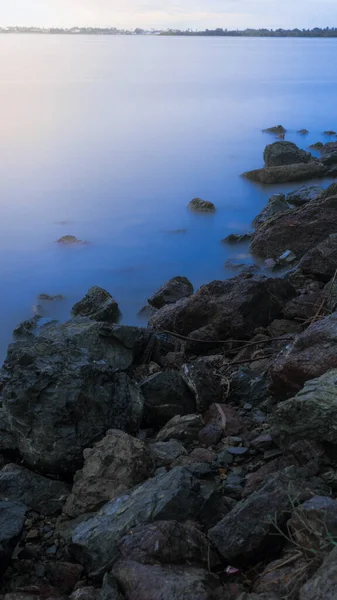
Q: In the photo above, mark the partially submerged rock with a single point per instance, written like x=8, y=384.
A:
x=287, y=173
x=277, y=129
x=98, y=305
x=198, y=205
x=48, y=298
x=317, y=145
x=173, y=290
x=237, y=238
x=303, y=131
x=284, y=153
x=304, y=194
x=329, y=132
x=70, y=240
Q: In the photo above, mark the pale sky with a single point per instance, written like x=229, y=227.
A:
x=197, y=14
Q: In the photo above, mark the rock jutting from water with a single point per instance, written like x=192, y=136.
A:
x=198, y=205
x=70, y=240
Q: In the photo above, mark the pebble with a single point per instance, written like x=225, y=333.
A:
x=237, y=450
x=51, y=551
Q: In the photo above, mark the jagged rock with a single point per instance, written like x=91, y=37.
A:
x=210, y=435
x=312, y=354
x=184, y=428
x=203, y=383
x=98, y=305
x=312, y=413
x=243, y=533
x=114, y=465
x=61, y=392
x=277, y=129
x=284, y=153
x=304, y=194
x=237, y=238
x=322, y=586
x=226, y=309
x=173, y=290
x=199, y=205
x=12, y=519
x=38, y=493
x=276, y=204
x=321, y=261
x=169, y=496
x=164, y=453
x=166, y=542
x=285, y=173
x=144, y=582
x=166, y=395
x=234, y=424
x=298, y=230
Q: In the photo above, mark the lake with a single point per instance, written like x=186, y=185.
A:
x=109, y=138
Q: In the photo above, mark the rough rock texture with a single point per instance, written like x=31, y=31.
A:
x=323, y=585
x=61, y=393
x=312, y=413
x=144, y=582
x=184, y=428
x=173, y=290
x=203, y=383
x=164, y=453
x=294, y=172
x=34, y=491
x=225, y=309
x=312, y=354
x=304, y=194
x=276, y=204
x=116, y=463
x=166, y=542
x=165, y=396
x=99, y=305
x=284, y=153
x=280, y=577
x=248, y=386
x=321, y=261
x=243, y=533
x=298, y=230
x=199, y=205
x=7, y=439
x=12, y=518
x=313, y=522
x=173, y=495
x=110, y=589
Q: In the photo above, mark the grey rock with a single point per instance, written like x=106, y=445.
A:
x=115, y=464
x=165, y=396
x=321, y=261
x=85, y=593
x=284, y=153
x=70, y=240
x=248, y=388
x=174, y=495
x=165, y=453
x=276, y=204
x=199, y=205
x=185, y=429
x=237, y=238
x=110, y=589
x=329, y=159
x=285, y=173
x=173, y=290
x=277, y=129
x=38, y=493
x=303, y=131
x=210, y=435
x=203, y=383
x=304, y=194
x=314, y=523
x=7, y=439
x=323, y=585
x=12, y=519
x=98, y=305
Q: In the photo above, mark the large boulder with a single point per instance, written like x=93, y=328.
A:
x=226, y=309
x=12, y=519
x=312, y=413
x=285, y=173
x=38, y=493
x=312, y=354
x=323, y=584
x=173, y=290
x=199, y=205
x=321, y=261
x=61, y=393
x=173, y=495
x=98, y=305
x=304, y=194
x=144, y=582
x=284, y=153
x=276, y=204
x=114, y=465
x=165, y=396
x=297, y=230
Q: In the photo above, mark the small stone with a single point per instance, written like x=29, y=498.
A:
x=287, y=257
x=210, y=435
x=247, y=406
x=40, y=571
x=237, y=450
x=224, y=458
x=262, y=442
x=33, y=534
x=232, y=441
x=52, y=550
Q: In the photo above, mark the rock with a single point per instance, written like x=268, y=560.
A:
x=146, y=312
x=287, y=257
x=70, y=240
x=281, y=327
x=12, y=519
x=144, y=582
x=247, y=386
x=26, y=328
x=328, y=148
x=304, y=194
x=85, y=593
x=277, y=129
x=166, y=395
x=166, y=542
x=311, y=354
x=98, y=305
x=241, y=267
x=276, y=204
x=303, y=131
x=314, y=524
x=298, y=230
x=234, y=423
x=329, y=159
x=7, y=439
x=284, y=153
x=199, y=205
x=184, y=428
x=61, y=392
x=243, y=533
x=173, y=495
x=304, y=307
x=237, y=238
x=227, y=309
x=321, y=261
x=63, y=575
x=317, y=146
x=110, y=589
x=48, y=298
x=203, y=384
x=285, y=173
x=210, y=435
x=114, y=465
x=329, y=132
x=322, y=586
x=173, y=290
x=34, y=491
x=312, y=412
x=280, y=577
x=164, y=453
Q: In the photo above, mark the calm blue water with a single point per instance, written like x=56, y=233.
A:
x=115, y=135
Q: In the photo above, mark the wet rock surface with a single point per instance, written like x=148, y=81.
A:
x=284, y=153
x=99, y=305
x=198, y=205
x=173, y=290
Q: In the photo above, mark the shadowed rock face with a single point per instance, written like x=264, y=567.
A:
x=284, y=153
x=12, y=518
x=173, y=290
x=99, y=305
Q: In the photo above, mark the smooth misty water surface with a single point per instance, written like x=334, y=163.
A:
x=109, y=138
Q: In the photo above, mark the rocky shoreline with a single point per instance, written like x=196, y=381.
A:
x=194, y=459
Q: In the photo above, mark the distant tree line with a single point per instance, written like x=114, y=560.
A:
x=219, y=32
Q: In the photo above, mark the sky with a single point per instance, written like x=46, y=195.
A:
x=197, y=14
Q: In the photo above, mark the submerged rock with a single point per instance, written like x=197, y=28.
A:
x=199, y=205
x=304, y=194
x=48, y=298
x=287, y=173
x=173, y=290
x=277, y=129
x=303, y=131
x=98, y=305
x=329, y=132
x=284, y=153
